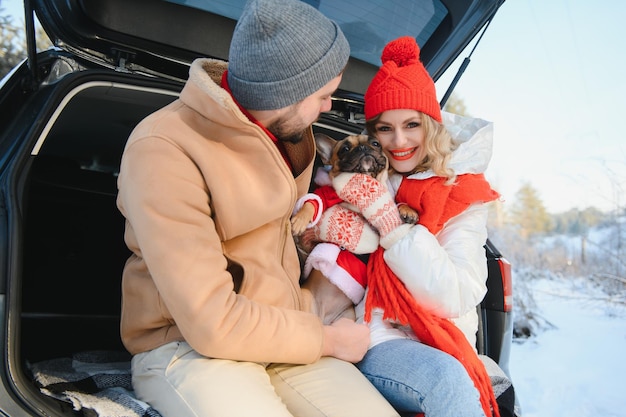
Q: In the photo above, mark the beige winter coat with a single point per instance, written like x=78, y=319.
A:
x=207, y=198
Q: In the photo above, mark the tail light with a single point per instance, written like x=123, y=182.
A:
x=507, y=284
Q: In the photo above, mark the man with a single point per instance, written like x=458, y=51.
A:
x=212, y=310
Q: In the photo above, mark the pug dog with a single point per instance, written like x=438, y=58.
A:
x=354, y=154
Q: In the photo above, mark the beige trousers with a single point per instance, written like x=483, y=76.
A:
x=178, y=382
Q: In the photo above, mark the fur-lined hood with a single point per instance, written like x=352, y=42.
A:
x=207, y=75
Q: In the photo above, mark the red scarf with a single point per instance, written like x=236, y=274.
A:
x=436, y=203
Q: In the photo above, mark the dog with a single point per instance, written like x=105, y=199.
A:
x=354, y=154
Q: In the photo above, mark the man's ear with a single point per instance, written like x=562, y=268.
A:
x=324, y=145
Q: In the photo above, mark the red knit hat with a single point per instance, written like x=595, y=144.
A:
x=402, y=82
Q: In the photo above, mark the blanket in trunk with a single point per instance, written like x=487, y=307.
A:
x=502, y=388
x=93, y=382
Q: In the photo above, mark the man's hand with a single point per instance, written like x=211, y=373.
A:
x=346, y=340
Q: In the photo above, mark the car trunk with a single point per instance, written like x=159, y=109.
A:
x=67, y=252
x=73, y=248
x=67, y=280
x=73, y=234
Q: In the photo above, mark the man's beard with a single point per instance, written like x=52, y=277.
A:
x=288, y=129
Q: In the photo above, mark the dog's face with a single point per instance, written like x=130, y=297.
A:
x=355, y=153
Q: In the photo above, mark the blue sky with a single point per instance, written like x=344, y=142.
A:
x=548, y=74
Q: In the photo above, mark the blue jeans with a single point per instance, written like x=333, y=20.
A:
x=416, y=378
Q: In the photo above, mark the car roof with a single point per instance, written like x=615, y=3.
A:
x=163, y=36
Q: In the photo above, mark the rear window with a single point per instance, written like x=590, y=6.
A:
x=367, y=25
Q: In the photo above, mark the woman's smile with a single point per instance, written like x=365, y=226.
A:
x=402, y=154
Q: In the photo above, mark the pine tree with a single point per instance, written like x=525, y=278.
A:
x=456, y=105
x=529, y=213
x=11, y=45
x=13, y=42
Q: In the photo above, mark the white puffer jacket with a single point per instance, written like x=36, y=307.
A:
x=446, y=272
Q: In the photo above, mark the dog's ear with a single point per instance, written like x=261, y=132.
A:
x=324, y=144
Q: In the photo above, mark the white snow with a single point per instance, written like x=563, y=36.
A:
x=578, y=367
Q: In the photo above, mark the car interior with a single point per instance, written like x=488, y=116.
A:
x=73, y=248
x=73, y=252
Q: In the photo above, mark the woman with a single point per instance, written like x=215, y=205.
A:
x=425, y=282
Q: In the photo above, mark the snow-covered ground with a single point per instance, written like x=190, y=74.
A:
x=578, y=367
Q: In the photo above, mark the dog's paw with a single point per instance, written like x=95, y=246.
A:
x=301, y=219
x=407, y=214
x=298, y=225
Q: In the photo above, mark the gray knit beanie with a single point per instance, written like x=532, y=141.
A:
x=282, y=51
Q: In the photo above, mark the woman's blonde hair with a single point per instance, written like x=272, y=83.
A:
x=438, y=144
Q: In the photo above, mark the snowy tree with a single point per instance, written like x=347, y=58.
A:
x=456, y=105
x=13, y=43
x=529, y=213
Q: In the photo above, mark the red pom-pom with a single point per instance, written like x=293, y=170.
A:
x=403, y=51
